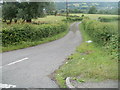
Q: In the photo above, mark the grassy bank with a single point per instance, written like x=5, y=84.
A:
x=91, y=62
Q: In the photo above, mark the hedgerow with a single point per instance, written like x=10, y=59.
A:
x=75, y=18
x=108, y=19
x=104, y=34
x=17, y=33
x=72, y=19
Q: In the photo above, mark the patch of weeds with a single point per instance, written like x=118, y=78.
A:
x=78, y=80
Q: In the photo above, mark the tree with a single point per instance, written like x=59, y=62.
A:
x=0, y=11
x=25, y=10
x=56, y=13
x=50, y=8
x=29, y=10
x=92, y=10
x=9, y=11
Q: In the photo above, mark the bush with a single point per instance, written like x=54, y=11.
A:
x=103, y=34
x=108, y=19
x=17, y=34
x=39, y=22
x=73, y=19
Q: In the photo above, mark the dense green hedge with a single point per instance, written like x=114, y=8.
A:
x=103, y=34
x=28, y=32
x=73, y=19
x=108, y=19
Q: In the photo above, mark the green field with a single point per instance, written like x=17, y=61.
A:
x=95, y=16
x=51, y=19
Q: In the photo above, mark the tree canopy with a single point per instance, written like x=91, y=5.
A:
x=25, y=10
x=92, y=10
x=9, y=11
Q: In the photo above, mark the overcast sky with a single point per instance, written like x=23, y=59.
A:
x=90, y=0
x=67, y=0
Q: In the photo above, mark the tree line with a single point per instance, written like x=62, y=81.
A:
x=94, y=10
x=25, y=10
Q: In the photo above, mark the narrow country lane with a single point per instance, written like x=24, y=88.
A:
x=30, y=67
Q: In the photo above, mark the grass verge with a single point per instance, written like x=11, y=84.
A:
x=90, y=63
x=29, y=44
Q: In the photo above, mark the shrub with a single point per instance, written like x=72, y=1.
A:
x=108, y=19
x=39, y=22
x=75, y=18
x=72, y=19
x=17, y=34
x=103, y=34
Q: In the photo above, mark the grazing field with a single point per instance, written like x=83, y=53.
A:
x=96, y=61
x=95, y=16
x=51, y=19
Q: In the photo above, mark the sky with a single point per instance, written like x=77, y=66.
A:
x=1, y=1
x=90, y=0
x=67, y=0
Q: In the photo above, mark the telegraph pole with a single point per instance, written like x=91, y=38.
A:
x=66, y=8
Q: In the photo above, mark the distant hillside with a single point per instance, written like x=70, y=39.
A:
x=87, y=5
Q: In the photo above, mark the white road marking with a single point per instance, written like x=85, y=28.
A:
x=7, y=86
x=14, y=62
x=17, y=61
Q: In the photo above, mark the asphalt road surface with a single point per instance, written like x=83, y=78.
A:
x=30, y=67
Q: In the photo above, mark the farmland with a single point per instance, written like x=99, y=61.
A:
x=51, y=19
x=95, y=16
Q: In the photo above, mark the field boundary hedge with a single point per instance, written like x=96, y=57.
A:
x=104, y=34
x=108, y=19
x=17, y=33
